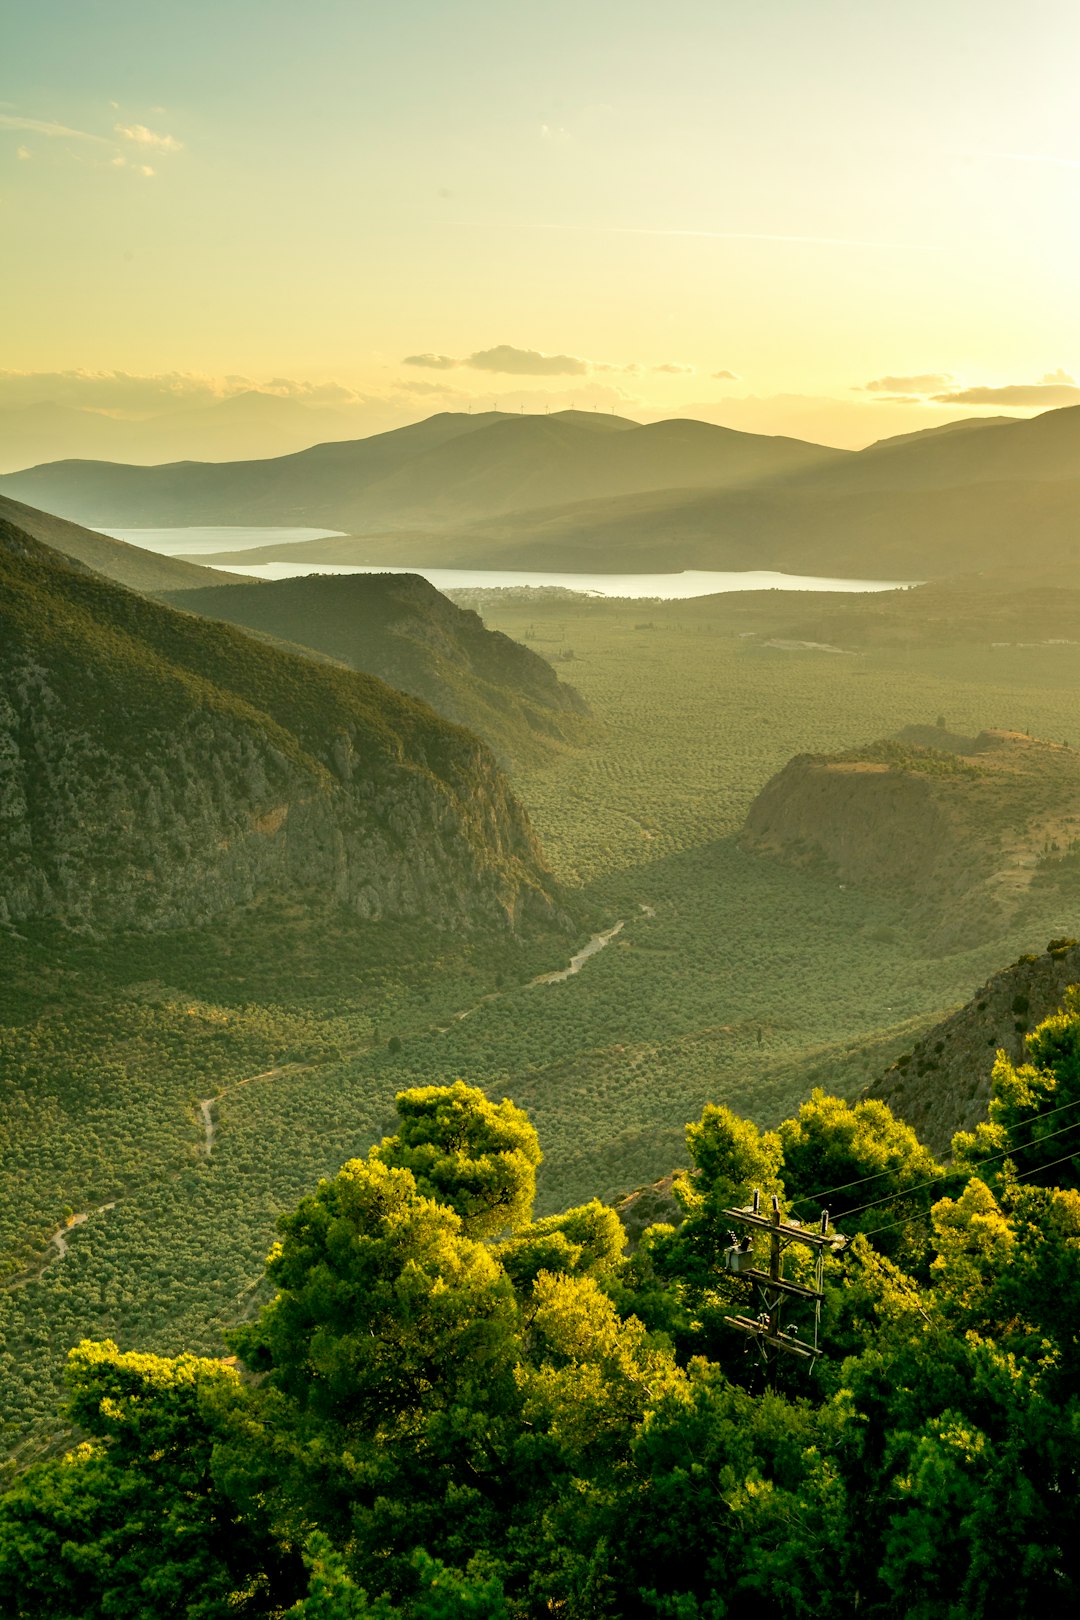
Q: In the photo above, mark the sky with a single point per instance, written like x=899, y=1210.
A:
x=836, y=218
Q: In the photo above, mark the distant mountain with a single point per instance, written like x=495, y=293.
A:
x=972, y=833
x=791, y=527
x=449, y=469
x=158, y=769
x=402, y=629
x=943, y=1084
x=1042, y=449
x=967, y=424
x=247, y=424
x=129, y=565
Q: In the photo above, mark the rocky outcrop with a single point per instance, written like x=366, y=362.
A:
x=967, y=834
x=943, y=1084
x=157, y=771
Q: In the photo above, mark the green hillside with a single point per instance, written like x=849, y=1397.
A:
x=402, y=629
x=161, y=768
x=129, y=565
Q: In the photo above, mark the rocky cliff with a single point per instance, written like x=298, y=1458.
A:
x=971, y=834
x=157, y=770
x=943, y=1084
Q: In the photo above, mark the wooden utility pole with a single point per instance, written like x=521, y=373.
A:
x=771, y=1287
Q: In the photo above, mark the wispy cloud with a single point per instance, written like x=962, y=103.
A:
x=44, y=126
x=925, y=382
x=148, y=137
x=1056, y=388
x=724, y=376
x=673, y=370
x=733, y=236
x=433, y=362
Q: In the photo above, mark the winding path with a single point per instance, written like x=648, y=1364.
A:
x=206, y=1104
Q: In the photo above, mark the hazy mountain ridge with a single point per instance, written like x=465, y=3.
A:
x=447, y=469
x=160, y=769
x=924, y=506
x=402, y=629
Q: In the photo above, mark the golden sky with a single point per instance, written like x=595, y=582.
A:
x=836, y=218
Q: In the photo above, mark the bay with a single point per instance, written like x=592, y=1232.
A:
x=194, y=542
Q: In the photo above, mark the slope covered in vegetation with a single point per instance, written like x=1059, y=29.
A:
x=160, y=769
x=128, y=565
x=402, y=629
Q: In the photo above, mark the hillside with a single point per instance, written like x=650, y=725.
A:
x=402, y=629
x=160, y=770
x=943, y=1084
x=129, y=565
x=971, y=832
x=793, y=528
x=449, y=469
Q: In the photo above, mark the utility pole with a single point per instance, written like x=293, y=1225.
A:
x=771, y=1287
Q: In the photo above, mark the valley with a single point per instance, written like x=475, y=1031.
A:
x=733, y=979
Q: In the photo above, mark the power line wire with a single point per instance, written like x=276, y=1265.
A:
x=827, y=1192
x=920, y=1186
x=924, y=1214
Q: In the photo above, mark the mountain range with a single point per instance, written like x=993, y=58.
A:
x=449, y=469
x=250, y=423
x=579, y=490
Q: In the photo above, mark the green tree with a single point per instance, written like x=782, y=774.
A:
x=477, y=1156
x=388, y=1356
x=133, y=1523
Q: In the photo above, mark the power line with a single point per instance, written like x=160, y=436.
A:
x=920, y=1186
x=924, y=1214
x=829, y=1192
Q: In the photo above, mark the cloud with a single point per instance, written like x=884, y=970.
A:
x=425, y=389
x=44, y=126
x=433, y=362
x=123, y=394
x=725, y=376
x=526, y=362
x=506, y=359
x=147, y=137
x=1045, y=394
x=673, y=370
x=23, y=153
x=926, y=382
x=554, y=132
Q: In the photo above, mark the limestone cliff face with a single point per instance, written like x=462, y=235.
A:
x=968, y=835
x=136, y=792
